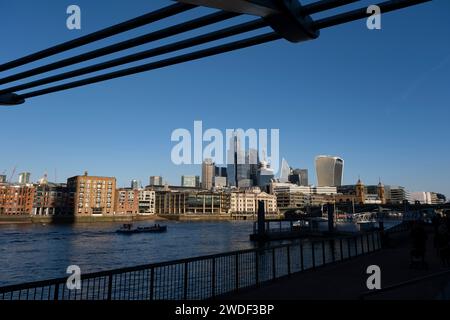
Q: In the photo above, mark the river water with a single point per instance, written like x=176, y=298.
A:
x=37, y=252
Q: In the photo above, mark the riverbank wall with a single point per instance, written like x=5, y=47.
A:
x=102, y=219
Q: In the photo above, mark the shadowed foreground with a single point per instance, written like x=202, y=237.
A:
x=347, y=280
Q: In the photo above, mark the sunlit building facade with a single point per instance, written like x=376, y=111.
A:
x=330, y=171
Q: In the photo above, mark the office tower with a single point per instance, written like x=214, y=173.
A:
x=190, y=181
x=329, y=171
x=220, y=177
x=24, y=178
x=265, y=174
x=234, y=155
x=2, y=178
x=397, y=194
x=156, y=181
x=299, y=177
x=135, y=185
x=221, y=172
x=241, y=164
x=208, y=170
x=285, y=171
x=252, y=161
x=92, y=195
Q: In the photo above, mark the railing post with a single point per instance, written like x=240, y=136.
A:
x=356, y=245
x=302, y=263
x=289, y=259
x=323, y=252
x=332, y=247
x=56, y=293
x=257, y=267
x=373, y=242
x=110, y=281
x=368, y=243
x=379, y=240
x=237, y=271
x=213, y=280
x=362, y=244
x=274, y=271
x=341, y=249
x=152, y=283
x=186, y=280
x=313, y=254
x=349, y=249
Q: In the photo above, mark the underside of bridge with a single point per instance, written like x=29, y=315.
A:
x=273, y=19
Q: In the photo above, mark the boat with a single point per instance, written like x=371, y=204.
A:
x=128, y=229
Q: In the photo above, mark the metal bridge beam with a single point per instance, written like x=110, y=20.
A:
x=287, y=17
x=11, y=99
x=262, y=8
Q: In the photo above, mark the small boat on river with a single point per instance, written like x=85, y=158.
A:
x=128, y=229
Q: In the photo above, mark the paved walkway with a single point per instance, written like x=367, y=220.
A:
x=347, y=280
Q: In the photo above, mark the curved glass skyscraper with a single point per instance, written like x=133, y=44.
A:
x=330, y=171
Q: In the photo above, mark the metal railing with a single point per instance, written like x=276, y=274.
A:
x=202, y=277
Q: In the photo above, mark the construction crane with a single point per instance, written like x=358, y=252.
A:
x=12, y=174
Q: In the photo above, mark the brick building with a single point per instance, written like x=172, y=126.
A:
x=91, y=195
x=16, y=199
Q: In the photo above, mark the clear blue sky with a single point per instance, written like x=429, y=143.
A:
x=379, y=99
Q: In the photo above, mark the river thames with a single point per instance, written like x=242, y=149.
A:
x=35, y=252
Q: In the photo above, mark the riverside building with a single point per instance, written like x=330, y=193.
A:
x=91, y=195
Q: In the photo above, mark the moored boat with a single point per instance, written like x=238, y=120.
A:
x=128, y=229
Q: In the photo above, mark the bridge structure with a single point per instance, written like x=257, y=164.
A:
x=285, y=19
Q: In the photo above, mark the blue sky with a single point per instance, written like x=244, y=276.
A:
x=379, y=99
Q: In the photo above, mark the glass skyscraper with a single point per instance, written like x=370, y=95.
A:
x=242, y=165
x=329, y=171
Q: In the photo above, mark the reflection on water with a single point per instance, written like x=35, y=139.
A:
x=36, y=252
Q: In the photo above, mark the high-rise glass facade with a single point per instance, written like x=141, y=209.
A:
x=329, y=171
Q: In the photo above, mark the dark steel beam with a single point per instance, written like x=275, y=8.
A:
x=324, y=5
x=127, y=44
x=184, y=44
x=357, y=14
x=10, y=99
x=101, y=34
x=261, y=8
x=160, y=64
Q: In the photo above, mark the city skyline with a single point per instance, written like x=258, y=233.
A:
x=395, y=135
x=214, y=172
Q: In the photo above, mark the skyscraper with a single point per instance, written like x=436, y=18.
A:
x=221, y=172
x=208, y=171
x=285, y=171
x=242, y=165
x=135, y=185
x=329, y=171
x=299, y=177
x=265, y=174
x=156, y=181
x=24, y=178
x=233, y=157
